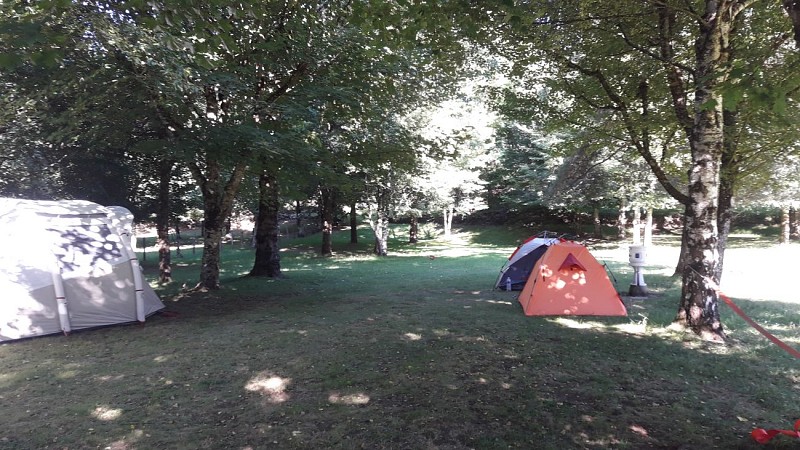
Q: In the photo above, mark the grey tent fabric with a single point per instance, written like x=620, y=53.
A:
x=514, y=273
x=68, y=265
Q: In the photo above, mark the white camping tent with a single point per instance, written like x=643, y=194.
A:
x=68, y=265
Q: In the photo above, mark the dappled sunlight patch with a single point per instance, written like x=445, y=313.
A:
x=507, y=354
x=473, y=339
x=638, y=429
x=495, y=302
x=128, y=442
x=67, y=374
x=161, y=358
x=348, y=399
x=270, y=386
x=106, y=413
x=572, y=323
x=471, y=297
x=294, y=331
x=638, y=328
x=412, y=337
x=468, y=292
x=109, y=378
x=603, y=442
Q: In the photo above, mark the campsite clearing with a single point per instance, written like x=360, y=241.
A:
x=399, y=352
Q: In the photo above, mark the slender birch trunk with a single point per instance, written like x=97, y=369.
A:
x=598, y=229
x=448, y=214
x=327, y=206
x=353, y=224
x=622, y=220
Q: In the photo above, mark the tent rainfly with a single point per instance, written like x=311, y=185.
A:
x=68, y=265
x=568, y=280
x=515, y=272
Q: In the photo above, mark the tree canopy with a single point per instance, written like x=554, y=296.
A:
x=592, y=105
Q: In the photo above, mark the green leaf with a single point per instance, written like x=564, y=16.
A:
x=9, y=60
x=779, y=106
x=47, y=58
x=708, y=105
x=732, y=97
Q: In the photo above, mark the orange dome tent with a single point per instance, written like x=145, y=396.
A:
x=568, y=280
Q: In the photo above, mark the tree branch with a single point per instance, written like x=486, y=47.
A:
x=623, y=109
x=652, y=54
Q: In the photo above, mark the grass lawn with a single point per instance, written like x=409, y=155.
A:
x=411, y=351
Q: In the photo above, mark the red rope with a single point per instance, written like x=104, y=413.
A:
x=747, y=319
x=760, y=435
x=758, y=327
x=763, y=436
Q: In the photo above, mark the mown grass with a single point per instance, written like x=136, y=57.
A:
x=410, y=351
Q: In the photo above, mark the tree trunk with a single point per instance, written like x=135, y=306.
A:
x=598, y=229
x=648, y=228
x=379, y=221
x=178, y=238
x=729, y=170
x=298, y=221
x=683, y=258
x=268, y=260
x=794, y=225
x=217, y=205
x=699, y=309
x=327, y=205
x=622, y=220
x=413, y=230
x=162, y=222
x=382, y=234
x=785, y=235
x=637, y=225
x=353, y=224
x=448, y=221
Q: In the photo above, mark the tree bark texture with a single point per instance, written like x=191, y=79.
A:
x=413, y=230
x=598, y=229
x=353, y=224
x=683, y=257
x=699, y=299
x=218, y=196
x=622, y=220
x=729, y=175
x=267, y=260
x=379, y=221
x=162, y=222
x=298, y=221
x=448, y=214
x=382, y=233
x=327, y=206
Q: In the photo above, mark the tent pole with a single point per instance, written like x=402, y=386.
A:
x=138, y=283
x=61, y=300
